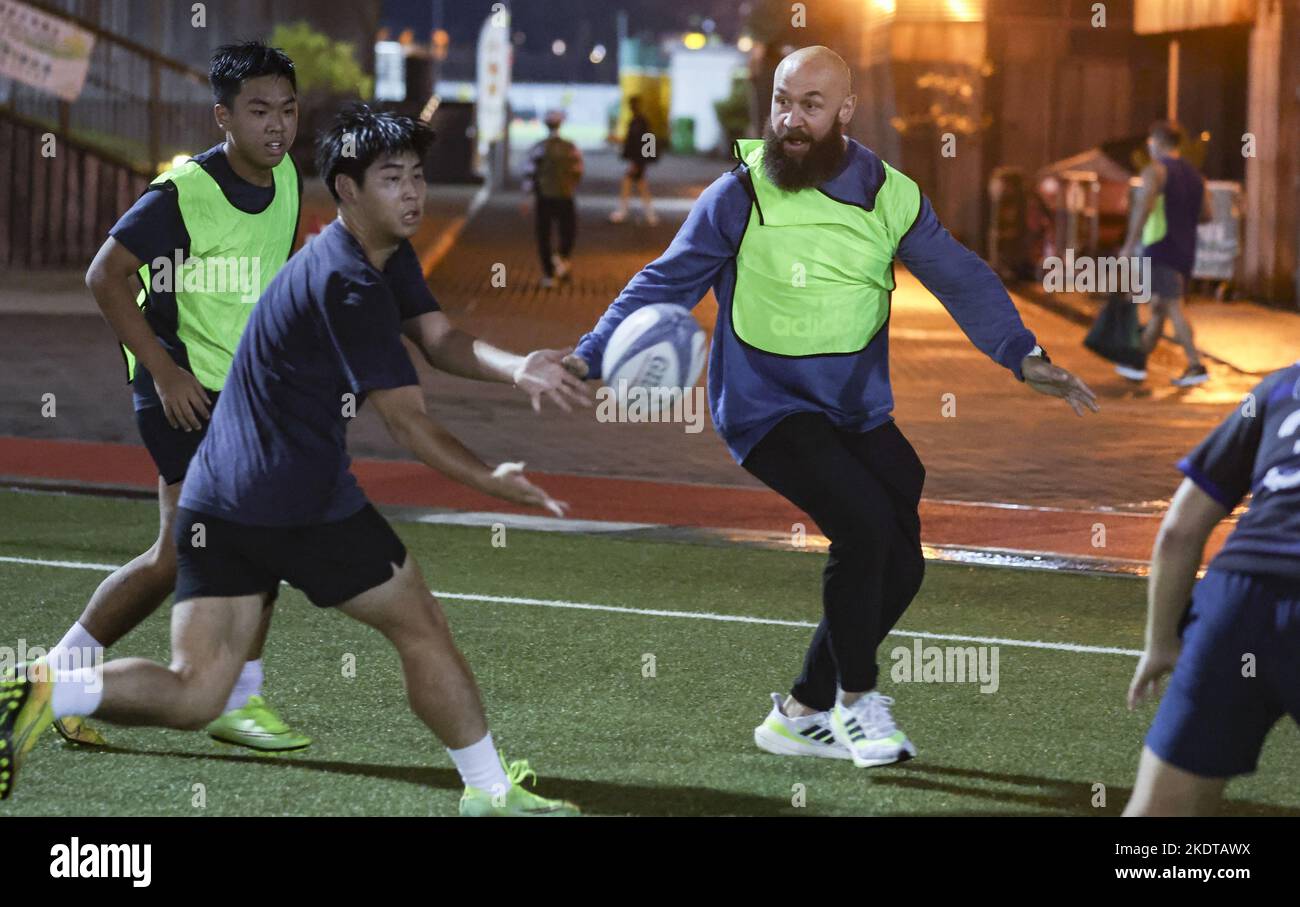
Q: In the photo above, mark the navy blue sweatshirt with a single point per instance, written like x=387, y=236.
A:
x=749, y=390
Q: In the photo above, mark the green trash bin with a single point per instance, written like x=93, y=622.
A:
x=683, y=135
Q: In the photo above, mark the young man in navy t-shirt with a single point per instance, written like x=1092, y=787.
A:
x=1235, y=652
x=269, y=495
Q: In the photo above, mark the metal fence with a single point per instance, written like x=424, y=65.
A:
x=137, y=105
x=58, y=198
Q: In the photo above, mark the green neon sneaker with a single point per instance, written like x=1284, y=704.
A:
x=24, y=713
x=78, y=733
x=73, y=730
x=257, y=727
x=516, y=801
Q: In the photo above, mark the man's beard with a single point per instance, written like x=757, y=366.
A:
x=819, y=163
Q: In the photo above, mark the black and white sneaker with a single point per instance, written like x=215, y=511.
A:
x=807, y=736
x=1195, y=374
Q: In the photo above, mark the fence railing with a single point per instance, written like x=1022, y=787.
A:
x=58, y=200
x=136, y=105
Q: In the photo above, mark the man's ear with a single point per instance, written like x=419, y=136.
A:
x=346, y=187
x=846, y=109
x=221, y=113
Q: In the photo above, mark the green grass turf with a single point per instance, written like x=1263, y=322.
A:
x=565, y=688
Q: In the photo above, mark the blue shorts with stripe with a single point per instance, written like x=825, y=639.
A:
x=1237, y=674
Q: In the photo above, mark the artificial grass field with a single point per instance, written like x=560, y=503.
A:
x=565, y=688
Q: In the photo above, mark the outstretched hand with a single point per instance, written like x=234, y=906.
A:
x=543, y=374
x=508, y=483
x=1055, y=381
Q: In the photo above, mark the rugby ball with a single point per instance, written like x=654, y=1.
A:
x=657, y=346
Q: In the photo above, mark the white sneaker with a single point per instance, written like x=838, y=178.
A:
x=617, y=216
x=807, y=736
x=651, y=219
x=547, y=283
x=562, y=266
x=1132, y=374
x=867, y=730
x=1195, y=374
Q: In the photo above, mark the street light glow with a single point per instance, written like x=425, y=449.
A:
x=597, y=53
x=558, y=47
x=962, y=11
x=694, y=40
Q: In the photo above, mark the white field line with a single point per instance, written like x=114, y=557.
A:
x=659, y=612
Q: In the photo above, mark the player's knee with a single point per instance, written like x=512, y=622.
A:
x=857, y=537
x=423, y=617
x=203, y=707
x=204, y=692
x=162, y=561
x=912, y=567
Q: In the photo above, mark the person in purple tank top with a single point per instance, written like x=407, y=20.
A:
x=1173, y=201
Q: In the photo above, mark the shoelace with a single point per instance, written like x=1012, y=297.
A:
x=519, y=772
x=257, y=709
x=875, y=715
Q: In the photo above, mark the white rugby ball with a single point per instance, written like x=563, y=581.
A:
x=657, y=346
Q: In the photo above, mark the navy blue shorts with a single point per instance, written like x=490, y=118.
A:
x=329, y=562
x=1213, y=720
x=171, y=448
x=1167, y=282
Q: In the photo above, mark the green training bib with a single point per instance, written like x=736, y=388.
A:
x=233, y=256
x=814, y=274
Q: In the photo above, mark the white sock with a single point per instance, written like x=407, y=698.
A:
x=77, y=649
x=249, y=684
x=77, y=692
x=480, y=766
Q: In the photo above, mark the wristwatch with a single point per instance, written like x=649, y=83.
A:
x=1040, y=353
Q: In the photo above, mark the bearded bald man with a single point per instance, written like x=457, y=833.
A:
x=798, y=244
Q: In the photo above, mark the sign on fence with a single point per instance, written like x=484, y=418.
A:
x=43, y=51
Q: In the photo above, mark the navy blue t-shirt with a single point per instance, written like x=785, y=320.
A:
x=325, y=333
x=1256, y=451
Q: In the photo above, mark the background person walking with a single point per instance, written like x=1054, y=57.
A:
x=1173, y=202
x=554, y=172
x=639, y=154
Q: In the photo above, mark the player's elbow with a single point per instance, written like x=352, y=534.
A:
x=402, y=422
x=101, y=276
x=1179, y=537
x=96, y=275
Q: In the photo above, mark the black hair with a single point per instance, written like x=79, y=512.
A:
x=1167, y=133
x=234, y=64
x=359, y=136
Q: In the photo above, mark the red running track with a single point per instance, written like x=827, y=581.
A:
x=401, y=483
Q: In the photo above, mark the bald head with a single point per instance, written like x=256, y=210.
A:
x=818, y=65
x=811, y=98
